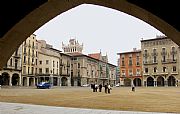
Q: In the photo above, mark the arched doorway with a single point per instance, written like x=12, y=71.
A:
x=31, y=81
x=4, y=79
x=137, y=82
x=127, y=82
x=15, y=79
x=171, y=81
x=64, y=81
x=55, y=81
x=160, y=81
x=24, y=81
x=150, y=81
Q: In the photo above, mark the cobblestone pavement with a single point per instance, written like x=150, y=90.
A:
x=17, y=108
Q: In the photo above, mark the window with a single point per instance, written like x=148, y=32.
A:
x=123, y=61
x=78, y=65
x=24, y=59
x=53, y=71
x=137, y=60
x=53, y=65
x=36, y=61
x=174, y=68
x=146, y=70
x=130, y=72
x=40, y=62
x=36, y=71
x=123, y=72
x=28, y=70
x=155, y=69
x=24, y=69
x=138, y=72
x=47, y=62
x=57, y=64
x=164, y=69
x=47, y=70
x=40, y=70
x=28, y=61
x=11, y=62
x=130, y=61
x=32, y=70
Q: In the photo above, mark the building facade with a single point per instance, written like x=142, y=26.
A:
x=131, y=68
x=29, y=61
x=11, y=75
x=160, y=62
x=72, y=47
x=88, y=70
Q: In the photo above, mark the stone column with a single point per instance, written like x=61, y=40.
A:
x=59, y=83
x=27, y=81
x=20, y=79
x=165, y=83
x=34, y=81
x=155, y=83
x=69, y=81
x=10, y=80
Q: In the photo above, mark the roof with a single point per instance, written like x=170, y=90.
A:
x=95, y=55
x=153, y=39
x=128, y=52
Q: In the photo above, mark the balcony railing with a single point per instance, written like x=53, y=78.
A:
x=17, y=55
x=150, y=62
x=12, y=67
x=169, y=61
x=145, y=55
x=173, y=52
x=154, y=54
x=164, y=53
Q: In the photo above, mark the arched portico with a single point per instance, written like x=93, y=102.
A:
x=5, y=79
x=160, y=81
x=171, y=81
x=64, y=81
x=150, y=81
x=15, y=79
x=51, y=8
x=127, y=82
x=137, y=82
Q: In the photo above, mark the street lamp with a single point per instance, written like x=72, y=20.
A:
x=51, y=78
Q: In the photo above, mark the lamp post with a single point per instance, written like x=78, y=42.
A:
x=51, y=78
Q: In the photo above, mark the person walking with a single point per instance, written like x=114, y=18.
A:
x=133, y=88
x=109, y=88
x=105, y=88
x=100, y=87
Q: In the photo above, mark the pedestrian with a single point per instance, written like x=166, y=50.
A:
x=93, y=87
x=96, y=87
x=100, y=87
x=133, y=88
x=109, y=88
x=105, y=87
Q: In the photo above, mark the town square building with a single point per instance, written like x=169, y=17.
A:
x=130, y=68
x=160, y=62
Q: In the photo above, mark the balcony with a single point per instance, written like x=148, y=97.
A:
x=150, y=62
x=16, y=55
x=164, y=53
x=154, y=54
x=164, y=73
x=173, y=52
x=166, y=61
x=8, y=67
x=145, y=74
x=145, y=55
x=174, y=73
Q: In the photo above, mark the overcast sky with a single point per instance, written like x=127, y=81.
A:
x=98, y=28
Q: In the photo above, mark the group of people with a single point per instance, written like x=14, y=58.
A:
x=107, y=88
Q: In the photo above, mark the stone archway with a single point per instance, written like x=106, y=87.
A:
x=4, y=79
x=171, y=81
x=15, y=79
x=127, y=82
x=150, y=81
x=160, y=81
x=137, y=82
x=50, y=9
x=31, y=81
x=64, y=81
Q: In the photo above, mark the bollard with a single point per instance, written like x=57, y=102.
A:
x=0, y=86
